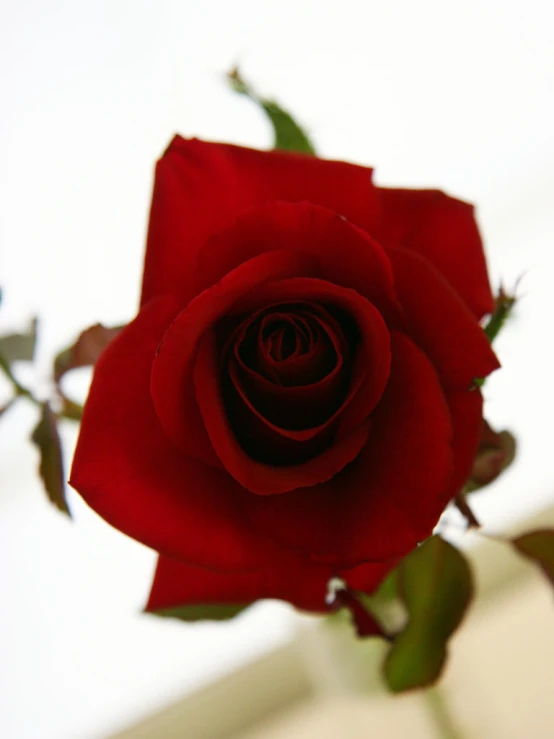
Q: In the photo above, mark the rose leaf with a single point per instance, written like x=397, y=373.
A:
x=83, y=353
x=47, y=439
x=19, y=347
x=539, y=547
x=289, y=136
x=436, y=586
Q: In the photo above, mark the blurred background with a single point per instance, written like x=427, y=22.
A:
x=450, y=95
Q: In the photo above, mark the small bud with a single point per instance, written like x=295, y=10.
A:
x=495, y=453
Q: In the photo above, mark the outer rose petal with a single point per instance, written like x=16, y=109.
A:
x=201, y=188
x=440, y=323
x=133, y=476
x=293, y=579
x=368, y=382
x=443, y=230
x=390, y=498
x=466, y=410
x=346, y=255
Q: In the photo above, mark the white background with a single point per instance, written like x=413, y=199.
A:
x=431, y=93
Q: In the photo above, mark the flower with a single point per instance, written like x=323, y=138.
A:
x=295, y=400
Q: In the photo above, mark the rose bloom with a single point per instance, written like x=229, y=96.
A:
x=295, y=400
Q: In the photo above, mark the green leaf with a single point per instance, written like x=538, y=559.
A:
x=538, y=546
x=436, y=586
x=85, y=351
x=47, y=439
x=289, y=136
x=208, y=612
x=387, y=604
x=20, y=347
x=387, y=590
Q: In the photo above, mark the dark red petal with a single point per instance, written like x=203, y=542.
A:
x=372, y=361
x=172, y=386
x=444, y=231
x=256, y=405
x=294, y=579
x=466, y=410
x=253, y=418
x=401, y=487
x=391, y=496
x=308, y=367
x=201, y=188
x=259, y=478
x=366, y=578
x=300, y=406
x=347, y=255
x=292, y=408
x=134, y=477
x=291, y=578
x=440, y=323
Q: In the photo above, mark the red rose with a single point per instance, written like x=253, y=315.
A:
x=295, y=399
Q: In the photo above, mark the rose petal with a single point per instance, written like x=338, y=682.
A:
x=437, y=319
x=299, y=412
x=262, y=479
x=466, y=411
x=372, y=361
x=131, y=474
x=365, y=578
x=324, y=356
x=298, y=581
x=237, y=400
x=390, y=498
x=172, y=386
x=201, y=188
x=291, y=578
x=346, y=255
x=444, y=231
x=292, y=408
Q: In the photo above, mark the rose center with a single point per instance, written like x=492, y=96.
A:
x=286, y=368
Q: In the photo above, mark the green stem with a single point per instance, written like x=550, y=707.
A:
x=17, y=386
x=439, y=710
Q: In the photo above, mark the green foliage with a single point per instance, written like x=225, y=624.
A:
x=538, y=546
x=436, y=587
x=19, y=347
x=208, y=612
x=83, y=353
x=504, y=304
x=47, y=439
x=289, y=136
